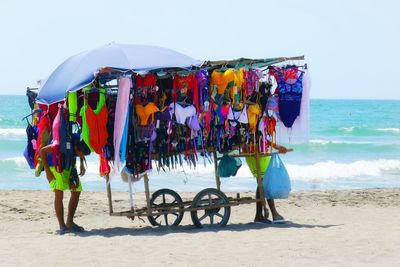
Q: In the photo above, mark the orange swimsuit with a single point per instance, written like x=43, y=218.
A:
x=97, y=124
x=144, y=112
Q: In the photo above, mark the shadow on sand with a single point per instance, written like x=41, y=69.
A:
x=190, y=229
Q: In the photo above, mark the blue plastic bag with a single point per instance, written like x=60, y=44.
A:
x=276, y=179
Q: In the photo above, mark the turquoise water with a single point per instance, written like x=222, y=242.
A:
x=353, y=144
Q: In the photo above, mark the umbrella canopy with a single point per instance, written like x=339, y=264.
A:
x=80, y=70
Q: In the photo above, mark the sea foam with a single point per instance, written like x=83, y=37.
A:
x=331, y=170
x=12, y=133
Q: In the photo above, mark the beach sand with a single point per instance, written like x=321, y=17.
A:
x=327, y=228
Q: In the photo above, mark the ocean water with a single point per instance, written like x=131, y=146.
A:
x=353, y=144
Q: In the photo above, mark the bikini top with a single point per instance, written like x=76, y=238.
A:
x=164, y=116
x=252, y=81
x=182, y=113
x=186, y=85
x=235, y=92
x=291, y=85
x=290, y=75
x=193, y=123
x=222, y=80
x=144, y=112
x=238, y=116
x=149, y=80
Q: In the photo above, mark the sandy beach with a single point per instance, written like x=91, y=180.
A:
x=327, y=228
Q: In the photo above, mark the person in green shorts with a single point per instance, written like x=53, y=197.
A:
x=264, y=161
x=59, y=182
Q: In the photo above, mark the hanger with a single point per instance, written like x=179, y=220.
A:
x=183, y=102
x=33, y=113
x=224, y=67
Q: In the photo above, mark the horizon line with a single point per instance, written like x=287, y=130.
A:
x=311, y=98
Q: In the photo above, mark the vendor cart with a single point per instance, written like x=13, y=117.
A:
x=164, y=207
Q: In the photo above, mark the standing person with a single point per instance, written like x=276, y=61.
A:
x=58, y=183
x=264, y=161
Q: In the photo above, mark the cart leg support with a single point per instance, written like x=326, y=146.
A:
x=147, y=193
x=217, y=179
x=110, y=207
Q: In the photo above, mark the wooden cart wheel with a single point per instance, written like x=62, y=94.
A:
x=218, y=216
x=165, y=197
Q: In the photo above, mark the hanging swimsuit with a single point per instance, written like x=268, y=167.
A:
x=252, y=81
x=163, y=126
x=94, y=124
x=144, y=112
x=164, y=116
x=235, y=92
x=267, y=129
x=145, y=85
x=66, y=142
x=109, y=147
x=42, y=140
x=222, y=80
x=148, y=80
x=221, y=113
x=56, y=154
x=238, y=116
x=121, y=109
x=186, y=86
x=165, y=86
x=289, y=100
x=72, y=105
x=253, y=113
x=202, y=82
x=182, y=113
x=272, y=107
x=30, y=149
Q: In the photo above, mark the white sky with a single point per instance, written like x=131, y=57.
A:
x=352, y=47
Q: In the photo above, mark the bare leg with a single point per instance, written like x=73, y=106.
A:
x=259, y=208
x=59, y=207
x=275, y=214
x=72, y=205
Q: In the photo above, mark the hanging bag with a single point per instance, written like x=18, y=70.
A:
x=276, y=179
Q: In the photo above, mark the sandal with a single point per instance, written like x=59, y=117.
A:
x=279, y=220
x=263, y=221
x=62, y=231
x=76, y=228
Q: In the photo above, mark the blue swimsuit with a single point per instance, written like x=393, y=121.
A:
x=289, y=100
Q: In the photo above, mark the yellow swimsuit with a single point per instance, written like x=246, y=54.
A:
x=253, y=112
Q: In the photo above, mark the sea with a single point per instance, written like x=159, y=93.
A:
x=353, y=144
